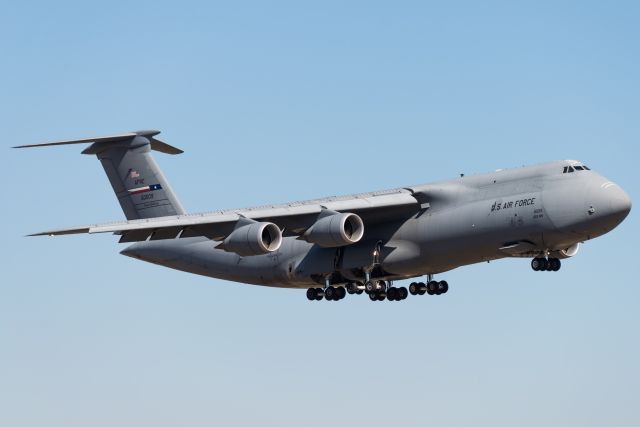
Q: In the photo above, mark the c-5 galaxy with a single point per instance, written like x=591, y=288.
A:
x=362, y=242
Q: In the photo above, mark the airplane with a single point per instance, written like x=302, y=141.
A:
x=360, y=243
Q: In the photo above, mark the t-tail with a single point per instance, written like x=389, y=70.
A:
x=139, y=184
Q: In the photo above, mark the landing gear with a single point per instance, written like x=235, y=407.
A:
x=331, y=293
x=377, y=296
x=355, y=288
x=375, y=286
x=334, y=293
x=432, y=288
x=397, y=294
x=378, y=290
x=544, y=264
x=554, y=264
x=315, y=294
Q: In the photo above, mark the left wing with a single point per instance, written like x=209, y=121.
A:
x=294, y=219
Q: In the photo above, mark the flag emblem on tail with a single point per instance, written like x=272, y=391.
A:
x=145, y=189
x=134, y=173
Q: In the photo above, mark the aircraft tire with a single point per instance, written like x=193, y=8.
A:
x=536, y=264
x=544, y=264
x=414, y=288
x=341, y=291
x=402, y=293
x=311, y=294
x=370, y=286
x=319, y=294
x=331, y=293
x=422, y=288
x=432, y=287
x=392, y=294
x=443, y=287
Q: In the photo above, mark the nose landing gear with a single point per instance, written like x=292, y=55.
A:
x=545, y=264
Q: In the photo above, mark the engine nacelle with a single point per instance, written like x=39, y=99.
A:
x=256, y=238
x=566, y=253
x=335, y=230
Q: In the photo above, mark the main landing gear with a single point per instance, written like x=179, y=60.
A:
x=331, y=293
x=378, y=290
x=431, y=287
x=545, y=264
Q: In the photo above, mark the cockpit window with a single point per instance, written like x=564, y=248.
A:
x=569, y=169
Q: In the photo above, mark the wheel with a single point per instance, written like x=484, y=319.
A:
x=311, y=294
x=370, y=286
x=319, y=294
x=422, y=288
x=382, y=296
x=359, y=292
x=414, y=288
x=373, y=297
x=351, y=288
x=536, y=264
x=381, y=285
x=554, y=264
x=392, y=294
x=402, y=293
x=330, y=293
x=544, y=264
x=443, y=287
x=341, y=292
x=432, y=287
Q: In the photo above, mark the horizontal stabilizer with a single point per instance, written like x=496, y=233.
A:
x=63, y=231
x=155, y=144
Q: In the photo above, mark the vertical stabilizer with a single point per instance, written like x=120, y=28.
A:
x=139, y=184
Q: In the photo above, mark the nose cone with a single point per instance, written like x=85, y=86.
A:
x=608, y=206
x=619, y=203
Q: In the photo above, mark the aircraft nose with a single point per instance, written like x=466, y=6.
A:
x=619, y=202
x=609, y=204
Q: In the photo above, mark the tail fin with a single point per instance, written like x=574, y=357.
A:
x=139, y=184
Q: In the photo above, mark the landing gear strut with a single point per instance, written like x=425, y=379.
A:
x=545, y=264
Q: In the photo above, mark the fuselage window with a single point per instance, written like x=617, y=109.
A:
x=565, y=169
x=571, y=169
x=586, y=168
x=579, y=168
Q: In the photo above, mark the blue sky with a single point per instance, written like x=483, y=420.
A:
x=276, y=101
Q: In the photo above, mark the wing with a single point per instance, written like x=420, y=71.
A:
x=293, y=218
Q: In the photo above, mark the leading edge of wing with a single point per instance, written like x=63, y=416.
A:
x=214, y=225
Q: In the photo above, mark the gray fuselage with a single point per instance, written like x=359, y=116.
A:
x=525, y=212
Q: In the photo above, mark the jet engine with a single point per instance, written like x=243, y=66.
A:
x=335, y=229
x=566, y=253
x=255, y=238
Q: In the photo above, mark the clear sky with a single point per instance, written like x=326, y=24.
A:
x=279, y=101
